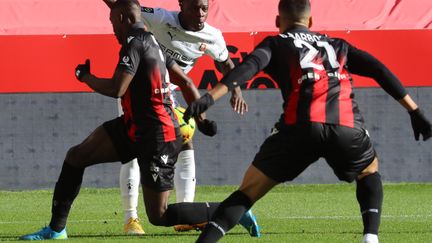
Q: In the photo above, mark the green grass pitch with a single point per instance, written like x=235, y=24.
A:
x=289, y=213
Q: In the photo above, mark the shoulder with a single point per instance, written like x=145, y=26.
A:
x=139, y=40
x=212, y=31
x=339, y=43
x=272, y=40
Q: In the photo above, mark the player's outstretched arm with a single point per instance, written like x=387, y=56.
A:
x=253, y=63
x=237, y=101
x=113, y=87
x=187, y=87
x=363, y=63
x=191, y=93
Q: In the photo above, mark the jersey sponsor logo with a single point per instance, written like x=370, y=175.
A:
x=308, y=76
x=163, y=91
x=274, y=131
x=125, y=61
x=202, y=47
x=164, y=158
x=147, y=10
x=130, y=38
x=154, y=169
x=174, y=54
x=171, y=35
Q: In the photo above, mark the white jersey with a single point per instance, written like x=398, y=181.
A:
x=182, y=45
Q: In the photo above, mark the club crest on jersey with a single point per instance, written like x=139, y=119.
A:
x=147, y=10
x=202, y=47
x=125, y=61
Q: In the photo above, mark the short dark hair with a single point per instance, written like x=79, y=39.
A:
x=130, y=9
x=296, y=10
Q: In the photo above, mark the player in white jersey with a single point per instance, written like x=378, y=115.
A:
x=185, y=36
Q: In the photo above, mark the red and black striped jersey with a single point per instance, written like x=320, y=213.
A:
x=315, y=83
x=147, y=106
x=313, y=74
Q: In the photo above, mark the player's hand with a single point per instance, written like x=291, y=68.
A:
x=207, y=127
x=198, y=106
x=237, y=102
x=420, y=124
x=82, y=69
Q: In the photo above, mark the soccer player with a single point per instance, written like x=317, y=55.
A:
x=147, y=130
x=185, y=37
x=320, y=117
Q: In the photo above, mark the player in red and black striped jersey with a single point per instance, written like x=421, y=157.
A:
x=320, y=118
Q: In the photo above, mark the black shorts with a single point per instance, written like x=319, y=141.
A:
x=287, y=153
x=156, y=158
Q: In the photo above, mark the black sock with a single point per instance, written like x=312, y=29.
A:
x=370, y=197
x=226, y=217
x=66, y=189
x=190, y=213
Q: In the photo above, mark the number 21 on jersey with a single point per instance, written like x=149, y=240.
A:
x=312, y=52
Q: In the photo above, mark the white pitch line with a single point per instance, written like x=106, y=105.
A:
x=355, y=217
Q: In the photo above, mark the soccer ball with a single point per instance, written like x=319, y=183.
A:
x=187, y=130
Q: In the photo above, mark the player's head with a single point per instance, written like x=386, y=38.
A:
x=123, y=14
x=193, y=14
x=293, y=12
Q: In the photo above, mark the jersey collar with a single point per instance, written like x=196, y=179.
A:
x=295, y=28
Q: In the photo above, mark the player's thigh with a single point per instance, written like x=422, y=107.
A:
x=123, y=146
x=157, y=163
x=96, y=148
x=349, y=152
x=285, y=155
x=256, y=184
x=156, y=203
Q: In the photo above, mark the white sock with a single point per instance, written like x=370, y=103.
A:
x=129, y=187
x=184, y=176
x=370, y=238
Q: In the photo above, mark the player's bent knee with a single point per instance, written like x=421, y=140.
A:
x=74, y=157
x=156, y=219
